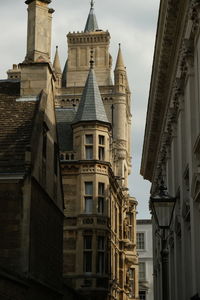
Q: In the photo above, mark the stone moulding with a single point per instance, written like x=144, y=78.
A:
x=161, y=89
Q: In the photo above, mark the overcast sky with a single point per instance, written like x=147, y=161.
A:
x=131, y=23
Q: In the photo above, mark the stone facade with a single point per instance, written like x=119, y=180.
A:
x=171, y=144
x=100, y=259
x=145, y=254
x=99, y=234
x=31, y=200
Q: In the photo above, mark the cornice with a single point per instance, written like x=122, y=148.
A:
x=168, y=40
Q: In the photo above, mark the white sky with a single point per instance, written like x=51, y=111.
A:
x=131, y=23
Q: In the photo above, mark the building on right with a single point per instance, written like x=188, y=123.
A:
x=145, y=255
x=171, y=150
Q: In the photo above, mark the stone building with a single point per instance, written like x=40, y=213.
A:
x=145, y=256
x=94, y=122
x=171, y=144
x=31, y=200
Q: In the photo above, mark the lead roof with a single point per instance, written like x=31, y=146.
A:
x=91, y=107
x=91, y=24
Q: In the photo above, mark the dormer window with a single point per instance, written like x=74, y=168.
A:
x=89, y=146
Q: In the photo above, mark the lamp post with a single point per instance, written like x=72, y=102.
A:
x=162, y=205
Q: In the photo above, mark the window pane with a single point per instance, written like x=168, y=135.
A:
x=101, y=140
x=142, y=274
x=101, y=188
x=88, y=242
x=101, y=243
x=89, y=152
x=140, y=241
x=142, y=295
x=100, y=262
x=100, y=205
x=89, y=139
x=87, y=261
x=88, y=205
x=88, y=188
x=101, y=153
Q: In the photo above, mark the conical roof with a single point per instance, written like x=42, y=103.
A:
x=56, y=63
x=64, y=74
x=120, y=63
x=91, y=107
x=91, y=24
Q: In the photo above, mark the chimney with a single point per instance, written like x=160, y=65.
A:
x=39, y=31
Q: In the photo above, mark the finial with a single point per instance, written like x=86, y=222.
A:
x=91, y=59
x=57, y=47
x=92, y=3
x=119, y=45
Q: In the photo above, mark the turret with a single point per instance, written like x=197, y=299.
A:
x=57, y=69
x=121, y=127
x=91, y=111
x=79, y=45
x=120, y=73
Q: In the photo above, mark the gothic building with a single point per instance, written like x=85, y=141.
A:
x=94, y=122
x=93, y=117
x=31, y=201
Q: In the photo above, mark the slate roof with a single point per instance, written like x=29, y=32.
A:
x=91, y=24
x=91, y=107
x=64, y=117
x=16, y=124
x=64, y=74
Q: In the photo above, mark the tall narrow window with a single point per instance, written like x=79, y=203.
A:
x=87, y=254
x=101, y=147
x=140, y=241
x=88, y=197
x=132, y=283
x=142, y=271
x=101, y=195
x=142, y=295
x=101, y=254
x=89, y=146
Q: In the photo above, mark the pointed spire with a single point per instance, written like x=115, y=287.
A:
x=120, y=63
x=91, y=24
x=91, y=107
x=56, y=63
x=64, y=74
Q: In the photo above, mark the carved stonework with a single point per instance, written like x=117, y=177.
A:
x=194, y=14
x=120, y=144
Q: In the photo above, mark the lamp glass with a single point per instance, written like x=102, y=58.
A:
x=163, y=210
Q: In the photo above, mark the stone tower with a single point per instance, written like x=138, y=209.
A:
x=94, y=122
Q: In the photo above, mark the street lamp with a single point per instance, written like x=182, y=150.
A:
x=162, y=205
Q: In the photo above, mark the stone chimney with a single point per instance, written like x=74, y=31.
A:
x=39, y=31
x=36, y=70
